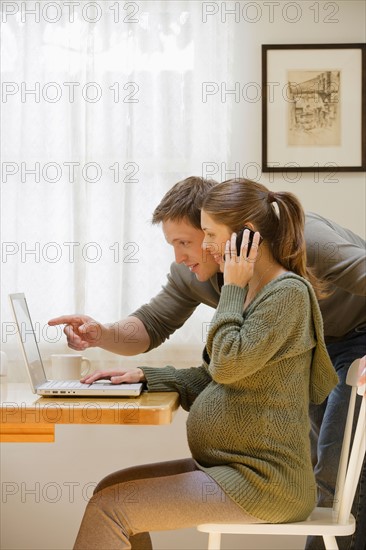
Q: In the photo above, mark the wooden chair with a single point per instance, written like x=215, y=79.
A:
x=326, y=522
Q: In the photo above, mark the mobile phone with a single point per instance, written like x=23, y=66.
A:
x=239, y=239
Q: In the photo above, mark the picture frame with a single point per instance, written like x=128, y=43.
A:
x=313, y=107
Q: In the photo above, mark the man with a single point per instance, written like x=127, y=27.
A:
x=336, y=255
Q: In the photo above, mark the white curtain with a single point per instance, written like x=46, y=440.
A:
x=103, y=111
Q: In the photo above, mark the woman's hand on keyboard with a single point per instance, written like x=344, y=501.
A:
x=119, y=376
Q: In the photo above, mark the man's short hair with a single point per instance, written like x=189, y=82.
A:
x=184, y=200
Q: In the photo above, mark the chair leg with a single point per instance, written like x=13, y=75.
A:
x=330, y=542
x=214, y=541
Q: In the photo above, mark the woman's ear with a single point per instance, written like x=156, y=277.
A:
x=249, y=225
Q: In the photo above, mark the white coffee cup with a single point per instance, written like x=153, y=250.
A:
x=69, y=366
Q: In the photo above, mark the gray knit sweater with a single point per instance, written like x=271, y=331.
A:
x=248, y=424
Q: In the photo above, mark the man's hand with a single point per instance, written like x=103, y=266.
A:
x=126, y=337
x=82, y=332
x=116, y=376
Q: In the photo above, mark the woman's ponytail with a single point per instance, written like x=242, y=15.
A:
x=288, y=244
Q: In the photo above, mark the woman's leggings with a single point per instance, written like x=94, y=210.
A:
x=127, y=504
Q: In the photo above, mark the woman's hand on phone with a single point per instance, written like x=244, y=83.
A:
x=239, y=270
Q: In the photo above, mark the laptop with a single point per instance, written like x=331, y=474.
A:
x=36, y=372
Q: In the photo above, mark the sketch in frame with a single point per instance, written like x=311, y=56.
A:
x=314, y=108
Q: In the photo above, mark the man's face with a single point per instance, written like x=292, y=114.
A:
x=187, y=243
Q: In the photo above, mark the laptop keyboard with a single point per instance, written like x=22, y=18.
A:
x=66, y=384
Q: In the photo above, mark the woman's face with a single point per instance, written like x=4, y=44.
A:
x=216, y=235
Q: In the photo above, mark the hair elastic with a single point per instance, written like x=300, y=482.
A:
x=271, y=197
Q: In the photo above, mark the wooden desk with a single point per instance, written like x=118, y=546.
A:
x=26, y=417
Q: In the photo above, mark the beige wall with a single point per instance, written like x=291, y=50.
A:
x=44, y=511
x=340, y=195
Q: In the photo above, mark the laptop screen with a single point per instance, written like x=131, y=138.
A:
x=28, y=339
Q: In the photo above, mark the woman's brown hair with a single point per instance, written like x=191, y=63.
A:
x=278, y=216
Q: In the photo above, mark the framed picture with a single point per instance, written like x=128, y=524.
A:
x=313, y=107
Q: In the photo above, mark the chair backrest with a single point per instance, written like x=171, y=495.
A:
x=350, y=463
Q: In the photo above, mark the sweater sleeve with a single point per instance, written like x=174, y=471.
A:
x=278, y=326
x=187, y=382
